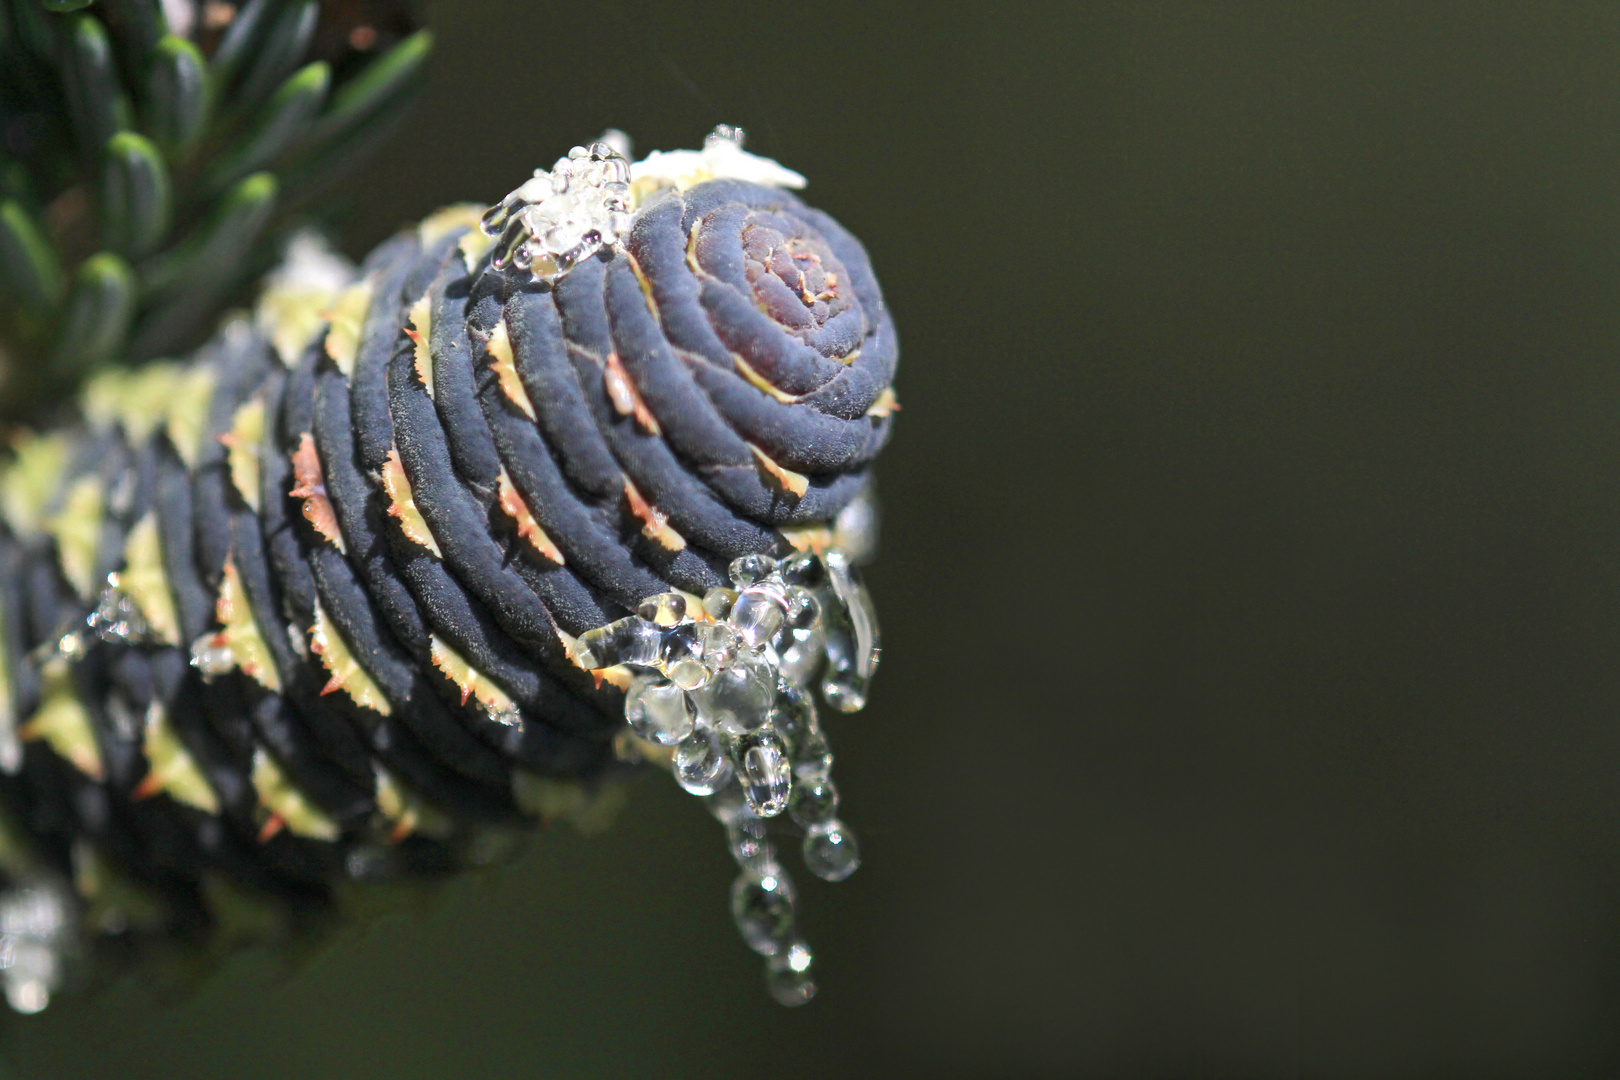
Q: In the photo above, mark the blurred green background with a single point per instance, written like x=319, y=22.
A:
x=1250, y=703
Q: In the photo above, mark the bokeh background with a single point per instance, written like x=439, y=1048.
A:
x=1250, y=703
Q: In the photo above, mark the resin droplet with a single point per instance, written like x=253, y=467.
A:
x=855, y=529
x=813, y=756
x=117, y=619
x=658, y=710
x=803, y=609
x=717, y=602
x=738, y=698
x=627, y=641
x=852, y=645
x=751, y=568
x=830, y=851
x=813, y=803
x=665, y=609
x=719, y=645
x=750, y=847
x=557, y=218
x=802, y=568
x=766, y=773
x=725, y=133
x=682, y=655
x=787, y=975
x=762, y=906
x=800, y=654
x=841, y=688
x=212, y=655
x=729, y=807
x=35, y=935
x=759, y=613
x=792, y=714
x=701, y=765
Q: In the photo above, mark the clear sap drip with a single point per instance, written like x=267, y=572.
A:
x=767, y=774
x=658, y=710
x=728, y=686
x=787, y=975
x=762, y=907
x=701, y=765
x=830, y=851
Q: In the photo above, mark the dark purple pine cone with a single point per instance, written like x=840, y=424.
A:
x=436, y=547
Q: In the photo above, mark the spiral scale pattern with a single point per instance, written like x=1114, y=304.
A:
x=315, y=608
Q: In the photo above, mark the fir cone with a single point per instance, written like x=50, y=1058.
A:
x=432, y=548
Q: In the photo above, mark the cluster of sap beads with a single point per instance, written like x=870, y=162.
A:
x=729, y=689
x=558, y=218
